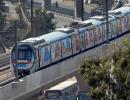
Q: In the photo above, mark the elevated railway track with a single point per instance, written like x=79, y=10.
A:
x=6, y=76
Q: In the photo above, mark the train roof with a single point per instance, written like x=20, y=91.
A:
x=103, y=18
x=65, y=29
x=53, y=36
x=50, y=37
x=93, y=21
x=120, y=12
x=81, y=30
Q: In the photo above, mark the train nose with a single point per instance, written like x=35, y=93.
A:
x=23, y=73
x=25, y=57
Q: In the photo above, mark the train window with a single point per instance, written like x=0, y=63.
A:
x=28, y=55
x=21, y=55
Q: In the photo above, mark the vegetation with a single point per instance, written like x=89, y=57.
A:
x=43, y=22
x=109, y=78
x=2, y=25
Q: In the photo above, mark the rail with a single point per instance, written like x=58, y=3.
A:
x=5, y=73
x=4, y=60
x=6, y=76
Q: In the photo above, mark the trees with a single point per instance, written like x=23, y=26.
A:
x=2, y=21
x=2, y=6
x=2, y=24
x=43, y=22
x=109, y=78
x=103, y=4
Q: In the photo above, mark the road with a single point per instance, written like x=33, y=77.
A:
x=60, y=20
x=70, y=4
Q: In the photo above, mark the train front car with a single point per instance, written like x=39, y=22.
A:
x=24, y=59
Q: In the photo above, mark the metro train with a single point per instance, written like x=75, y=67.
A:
x=39, y=52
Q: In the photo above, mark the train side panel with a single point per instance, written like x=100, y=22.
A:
x=75, y=43
x=56, y=51
x=83, y=42
x=66, y=47
x=98, y=34
x=45, y=53
x=104, y=31
x=127, y=22
x=114, y=28
x=36, y=63
x=90, y=38
x=128, y=16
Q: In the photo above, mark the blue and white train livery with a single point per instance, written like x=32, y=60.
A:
x=39, y=52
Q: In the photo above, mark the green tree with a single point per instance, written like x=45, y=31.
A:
x=109, y=78
x=2, y=24
x=43, y=22
x=2, y=21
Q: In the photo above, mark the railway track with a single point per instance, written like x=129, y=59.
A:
x=4, y=60
x=6, y=76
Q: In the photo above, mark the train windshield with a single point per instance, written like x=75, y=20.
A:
x=25, y=56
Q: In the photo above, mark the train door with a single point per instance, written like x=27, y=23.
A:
x=128, y=16
x=66, y=47
x=119, y=21
x=86, y=39
x=98, y=34
x=56, y=51
x=127, y=21
x=104, y=31
x=82, y=39
x=76, y=42
x=124, y=24
x=90, y=38
x=113, y=27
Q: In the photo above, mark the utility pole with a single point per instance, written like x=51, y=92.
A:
x=107, y=24
x=82, y=16
x=32, y=18
x=16, y=52
x=79, y=9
